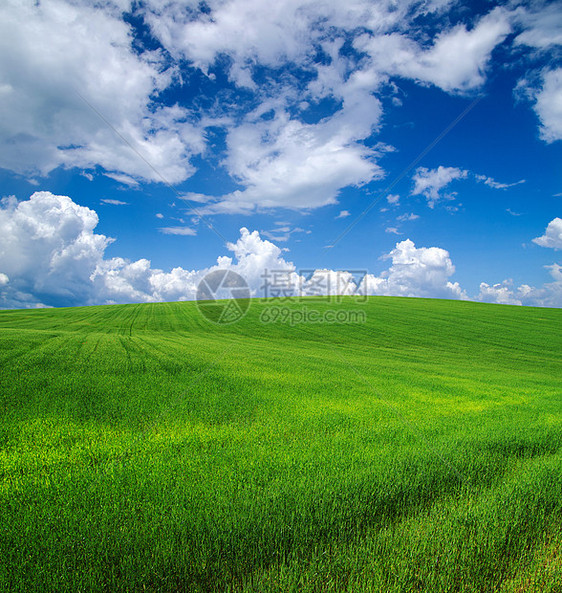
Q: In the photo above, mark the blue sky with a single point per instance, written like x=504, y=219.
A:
x=139, y=138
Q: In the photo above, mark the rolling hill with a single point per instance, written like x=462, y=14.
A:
x=409, y=445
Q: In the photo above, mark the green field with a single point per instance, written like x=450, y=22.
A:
x=143, y=448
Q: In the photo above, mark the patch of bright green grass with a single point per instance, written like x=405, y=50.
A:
x=143, y=448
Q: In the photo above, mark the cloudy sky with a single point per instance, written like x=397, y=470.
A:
x=144, y=143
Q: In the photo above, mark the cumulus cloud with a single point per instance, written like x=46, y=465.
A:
x=283, y=162
x=552, y=236
x=48, y=250
x=274, y=34
x=501, y=293
x=292, y=31
x=50, y=255
x=431, y=182
x=343, y=214
x=67, y=66
x=547, y=295
x=415, y=272
x=79, y=90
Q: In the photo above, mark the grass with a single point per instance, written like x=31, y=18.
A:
x=143, y=448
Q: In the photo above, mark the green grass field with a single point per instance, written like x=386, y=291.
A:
x=143, y=448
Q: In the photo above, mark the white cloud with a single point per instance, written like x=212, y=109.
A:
x=159, y=215
x=274, y=33
x=51, y=51
x=407, y=217
x=548, y=295
x=114, y=202
x=178, y=230
x=430, y=182
x=291, y=31
x=286, y=162
x=552, y=236
x=124, y=179
x=327, y=282
x=542, y=25
x=542, y=31
x=343, y=214
x=283, y=232
x=548, y=105
x=254, y=256
x=48, y=250
x=52, y=54
x=392, y=229
x=490, y=182
x=283, y=162
x=393, y=199
x=51, y=256
x=456, y=61
x=501, y=293
x=415, y=272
